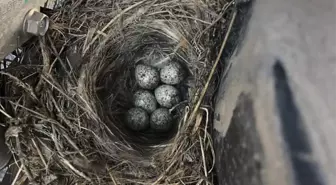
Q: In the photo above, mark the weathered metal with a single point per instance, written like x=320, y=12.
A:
x=36, y=23
x=12, y=14
x=275, y=117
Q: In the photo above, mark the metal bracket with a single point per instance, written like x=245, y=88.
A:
x=12, y=16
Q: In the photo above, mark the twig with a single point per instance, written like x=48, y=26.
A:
x=46, y=63
x=73, y=144
x=58, y=56
x=30, y=110
x=218, y=19
x=112, y=178
x=41, y=155
x=177, y=105
x=204, y=90
x=62, y=92
x=206, y=122
x=212, y=153
x=17, y=175
x=162, y=175
x=20, y=83
x=54, y=139
x=111, y=22
x=199, y=182
x=26, y=170
x=198, y=121
x=5, y=113
x=203, y=157
x=67, y=163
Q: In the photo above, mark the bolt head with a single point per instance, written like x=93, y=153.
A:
x=36, y=23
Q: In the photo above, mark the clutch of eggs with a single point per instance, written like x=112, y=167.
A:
x=146, y=103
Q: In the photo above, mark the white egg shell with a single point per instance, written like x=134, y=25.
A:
x=137, y=119
x=145, y=100
x=167, y=96
x=161, y=120
x=147, y=76
x=172, y=73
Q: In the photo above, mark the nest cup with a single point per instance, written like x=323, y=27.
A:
x=147, y=44
x=73, y=112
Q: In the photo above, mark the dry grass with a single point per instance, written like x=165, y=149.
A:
x=65, y=117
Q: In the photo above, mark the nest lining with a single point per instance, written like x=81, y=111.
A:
x=66, y=120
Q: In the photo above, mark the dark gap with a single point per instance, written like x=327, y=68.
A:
x=306, y=171
x=239, y=154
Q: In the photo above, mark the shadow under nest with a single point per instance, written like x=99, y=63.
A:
x=65, y=115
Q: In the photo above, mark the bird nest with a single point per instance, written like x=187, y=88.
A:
x=65, y=113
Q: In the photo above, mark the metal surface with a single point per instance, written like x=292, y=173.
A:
x=36, y=23
x=3, y=173
x=275, y=119
x=12, y=14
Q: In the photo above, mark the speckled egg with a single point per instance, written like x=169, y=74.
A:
x=172, y=73
x=137, y=119
x=145, y=100
x=147, y=76
x=167, y=96
x=161, y=120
